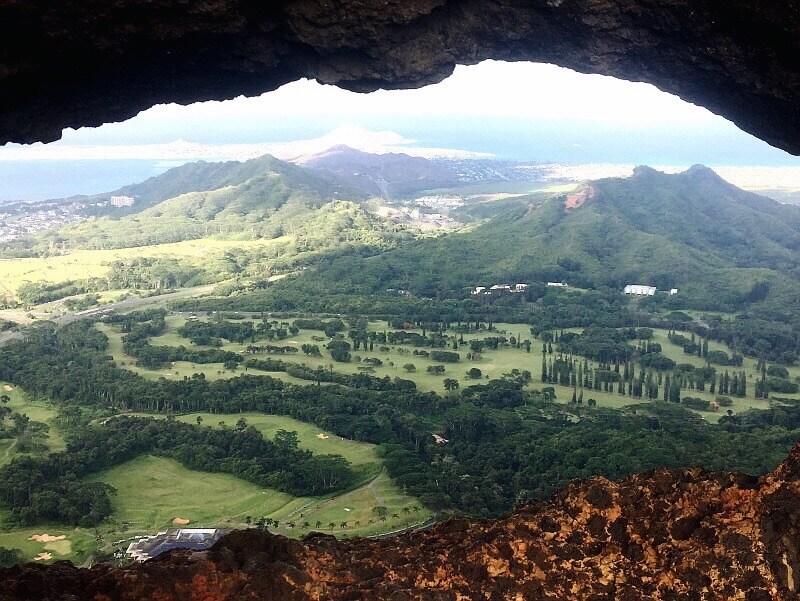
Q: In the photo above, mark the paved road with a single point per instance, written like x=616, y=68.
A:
x=123, y=305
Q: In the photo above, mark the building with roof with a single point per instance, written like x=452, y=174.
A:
x=639, y=290
x=121, y=201
x=197, y=539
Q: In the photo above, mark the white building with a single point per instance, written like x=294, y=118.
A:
x=557, y=284
x=639, y=290
x=500, y=288
x=121, y=201
x=196, y=539
x=479, y=290
x=673, y=292
x=520, y=287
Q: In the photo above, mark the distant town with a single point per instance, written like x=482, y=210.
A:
x=21, y=219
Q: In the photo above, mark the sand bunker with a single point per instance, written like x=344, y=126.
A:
x=46, y=538
x=8, y=388
x=43, y=557
x=322, y=436
x=180, y=521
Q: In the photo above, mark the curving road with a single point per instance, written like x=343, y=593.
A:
x=123, y=305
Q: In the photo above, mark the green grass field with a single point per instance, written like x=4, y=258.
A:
x=82, y=264
x=153, y=491
x=77, y=545
x=493, y=363
x=37, y=411
x=363, y=456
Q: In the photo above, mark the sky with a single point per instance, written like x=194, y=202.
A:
x=516, y=111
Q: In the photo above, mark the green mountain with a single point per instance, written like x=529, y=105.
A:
x=692, y=231
x=389, y=176
x=202, y=176
x=260, y=198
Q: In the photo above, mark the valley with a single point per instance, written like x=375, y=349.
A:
x=289, y=347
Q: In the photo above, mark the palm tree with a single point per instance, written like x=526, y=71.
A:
x=306, y=525
x=357, y=524
x=406, y=510
x=415, y=509
x=395, y=516
x=331, y=526
x=343, y=525
x=318, y=524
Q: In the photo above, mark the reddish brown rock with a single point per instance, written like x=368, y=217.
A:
x=664, y=534
x=71, y=64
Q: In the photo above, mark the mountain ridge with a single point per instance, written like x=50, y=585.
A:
x=691, y=230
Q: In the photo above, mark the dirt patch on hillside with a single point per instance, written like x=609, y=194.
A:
x=180, y=521
x=577, y=198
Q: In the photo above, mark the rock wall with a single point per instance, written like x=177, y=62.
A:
x=661, y=535
x=70, y=64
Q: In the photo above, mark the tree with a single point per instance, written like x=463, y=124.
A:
x=241, y=423
x=380, y=511
x=199, y=420
x=475, y=374
x=5, y=399
x=410, y=367
x=450, y=384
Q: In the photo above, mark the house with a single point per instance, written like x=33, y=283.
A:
x=121, y=201
x=479, y=290
x=557, y=284
x=197, y=539
x=500, y=288
x=520, y=287
x=639, y=290
x=673, y=292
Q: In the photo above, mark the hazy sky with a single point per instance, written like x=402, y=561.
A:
x=518, y=111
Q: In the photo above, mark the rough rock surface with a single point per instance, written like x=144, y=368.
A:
x=70, y=64
x=664, y=534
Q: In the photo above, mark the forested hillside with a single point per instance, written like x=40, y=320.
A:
x=261, y=198
x=693, y=231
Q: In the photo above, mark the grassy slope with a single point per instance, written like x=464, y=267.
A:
x=82, y=264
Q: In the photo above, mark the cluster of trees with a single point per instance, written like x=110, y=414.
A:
x=505, y=445
x=321, y=375
x=53, y=488
x=154, y=357
x=35, y=293
x=699, y=347
x=201, y=332
x=605, y=345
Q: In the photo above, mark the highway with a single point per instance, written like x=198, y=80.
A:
x=124, y=305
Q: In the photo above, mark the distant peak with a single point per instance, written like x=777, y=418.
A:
x=644, y=170
x=699, y=169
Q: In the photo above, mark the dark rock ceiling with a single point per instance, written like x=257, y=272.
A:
x=71, y=64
